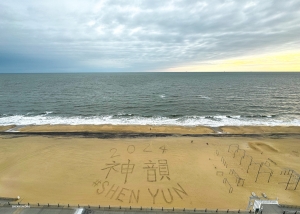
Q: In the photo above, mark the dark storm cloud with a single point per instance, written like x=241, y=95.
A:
x=141, y=35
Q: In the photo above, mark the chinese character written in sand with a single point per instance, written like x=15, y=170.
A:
x=127, y=169
x=110, y=167
x=151, y=171
x=163, y=169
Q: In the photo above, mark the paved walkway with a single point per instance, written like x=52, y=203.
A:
x=46, y=210
x=5, y=208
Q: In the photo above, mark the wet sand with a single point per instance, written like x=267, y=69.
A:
x=4, y=128
x=260, y=129
x=158, y=129
x=185, y=172
x=119, y=129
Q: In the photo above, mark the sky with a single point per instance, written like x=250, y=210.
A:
x=149, y=36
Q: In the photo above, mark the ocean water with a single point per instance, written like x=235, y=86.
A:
x=185, y=99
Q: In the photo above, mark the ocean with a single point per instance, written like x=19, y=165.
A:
x=184, y=99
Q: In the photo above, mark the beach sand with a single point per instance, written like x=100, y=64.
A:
x=119, y=129
x=162, y=129
x=185, y=172
x=260, y=129
x=5, y=128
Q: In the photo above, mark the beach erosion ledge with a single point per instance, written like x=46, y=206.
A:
x=153, y=129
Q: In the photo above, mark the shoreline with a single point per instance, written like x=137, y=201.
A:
x=149, y=129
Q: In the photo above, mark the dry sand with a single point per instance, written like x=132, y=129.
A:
x=184, y=172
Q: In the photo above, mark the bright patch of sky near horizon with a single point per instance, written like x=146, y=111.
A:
x=153, y=35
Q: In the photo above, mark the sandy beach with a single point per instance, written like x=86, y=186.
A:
x=119, y=129
x=182, y=171
x=161, y=129
x=4, y=128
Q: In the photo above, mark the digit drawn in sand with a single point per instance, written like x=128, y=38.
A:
x=114, y=153
x=131, y=149
x=163, y=148
x=146, y=149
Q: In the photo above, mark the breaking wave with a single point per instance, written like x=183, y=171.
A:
x=128, y=119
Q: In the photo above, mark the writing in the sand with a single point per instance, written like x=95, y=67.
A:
x=155, y=170
x=163, y=170
x=126, y=168
x=122, y=194
x=131, y=149
x=151, y=168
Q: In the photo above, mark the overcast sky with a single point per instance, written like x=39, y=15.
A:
x=154, y=35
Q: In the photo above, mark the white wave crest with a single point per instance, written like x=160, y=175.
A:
x=214, y=121
x=203, y=97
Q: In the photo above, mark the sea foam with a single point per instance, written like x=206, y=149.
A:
x=213, y=121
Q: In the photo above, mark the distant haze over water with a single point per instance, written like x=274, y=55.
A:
x=185, y=99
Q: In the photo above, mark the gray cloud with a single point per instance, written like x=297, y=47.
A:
x=140, y=35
